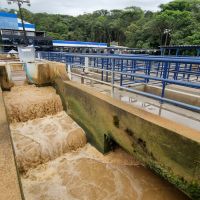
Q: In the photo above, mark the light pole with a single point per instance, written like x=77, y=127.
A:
x=19, y=3
x=166, y=32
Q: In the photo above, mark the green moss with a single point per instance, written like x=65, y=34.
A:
x=116, y=121
x=78, y=113
x=192, y=189
x=169, y=154
x=129, y=132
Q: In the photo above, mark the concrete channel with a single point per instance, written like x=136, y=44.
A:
x=48, y=135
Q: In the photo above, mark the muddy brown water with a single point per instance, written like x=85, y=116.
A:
x=88, y=175
x=81, y=174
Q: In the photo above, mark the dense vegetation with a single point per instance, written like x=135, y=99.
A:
x=131, y=26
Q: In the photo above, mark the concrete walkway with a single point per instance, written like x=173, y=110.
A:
x=9, y=184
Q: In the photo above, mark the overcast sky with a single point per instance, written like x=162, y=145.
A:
x=76, y=7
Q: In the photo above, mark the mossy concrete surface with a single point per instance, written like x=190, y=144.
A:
x=9, y=181
x=170, y=149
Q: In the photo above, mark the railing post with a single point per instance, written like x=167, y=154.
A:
x=121, y=75
x=189, y=73
x=69, y=71
x=112, y=75
x=176, y=71
x=107, y=63
x=102, y=67
x=164, y=77
x=39, y=55
x=148, y=70
x=86, y=64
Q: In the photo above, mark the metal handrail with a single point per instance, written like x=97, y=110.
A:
x=166, y=70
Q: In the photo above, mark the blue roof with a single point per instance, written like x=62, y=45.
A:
x=5, y=14
x=79, y=43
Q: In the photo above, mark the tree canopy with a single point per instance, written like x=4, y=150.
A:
x=132, y=26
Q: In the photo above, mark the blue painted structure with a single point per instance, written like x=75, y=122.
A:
x=63, y=43
x=27, y=26
x=8, y=21
x=179, y=49
x=11, y=22
x=126, y=71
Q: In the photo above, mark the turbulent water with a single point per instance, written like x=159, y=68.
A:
x=40, y=140
x=24, y=103
x=57, y=163
x=88, y=175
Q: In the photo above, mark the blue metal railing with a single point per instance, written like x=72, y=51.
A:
x=124, y=71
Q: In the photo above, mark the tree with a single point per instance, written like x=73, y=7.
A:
x=131, y=26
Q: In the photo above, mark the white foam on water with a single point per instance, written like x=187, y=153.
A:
x=40, y=140
x=86, y=174
x=56, y=163
x=25, y=103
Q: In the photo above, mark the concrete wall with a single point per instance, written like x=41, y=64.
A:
x=188, y=96
x=9, y=184
x=5, y=76
x=44, y=72
x=171, y=150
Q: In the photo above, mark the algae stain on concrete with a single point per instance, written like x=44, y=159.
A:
x=155, y=146
x=116, y=121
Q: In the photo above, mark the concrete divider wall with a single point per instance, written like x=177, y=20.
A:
x=181, y=96
x=9, y=181
x=171, y=150
x=188, y=96
x=5, y=76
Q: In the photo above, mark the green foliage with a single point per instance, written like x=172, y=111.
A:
x=131, y=26
x=182, y=5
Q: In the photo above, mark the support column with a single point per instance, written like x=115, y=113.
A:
x=69, y=72
x=86, y=64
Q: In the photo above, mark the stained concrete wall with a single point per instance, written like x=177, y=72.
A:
x=171, y=150
x=44, y=72
x=9, y=185
x=187, y=96
x=5, y=76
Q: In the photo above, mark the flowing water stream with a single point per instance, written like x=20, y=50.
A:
x=57, y=163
